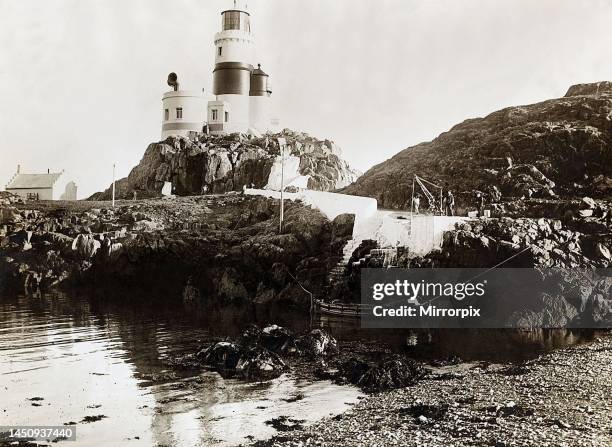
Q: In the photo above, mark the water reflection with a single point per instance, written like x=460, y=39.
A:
x=498, y=345
x=91, y=356
x=87, y=356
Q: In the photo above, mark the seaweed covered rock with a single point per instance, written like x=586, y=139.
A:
x=249, y=362
x=274, y=338
x=277, y=339
x=259, y=364
x=353, y=370
x=223, y=355
x=317, y=342
x=391, y=373
x=394, y=372
x=256, y=353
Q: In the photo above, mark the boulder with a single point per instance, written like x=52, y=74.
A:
x=264, y=295
x=230, y=286
x=603, y=252
x=587, y=204
x=393, y=372
x=342, y=226
x=317, y=342
x=222, y=355
x=353, y=370
x=598, y=309
x=250, y=336
x=86, y=245
x=8, y=214
x=259, y=364
x=277, y=339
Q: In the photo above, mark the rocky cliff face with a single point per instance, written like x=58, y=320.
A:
x=557, y=147
x=205, y=249
x=226, y=163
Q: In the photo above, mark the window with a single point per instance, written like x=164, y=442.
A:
x=166, y=114
x=214, y=114
x=226, y=117
x=179, y=113
x=220, y=51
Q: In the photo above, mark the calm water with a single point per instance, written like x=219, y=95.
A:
x=87, y=358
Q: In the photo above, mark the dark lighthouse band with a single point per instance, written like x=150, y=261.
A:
x=237, y=78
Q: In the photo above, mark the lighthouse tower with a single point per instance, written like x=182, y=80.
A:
x=242, y=92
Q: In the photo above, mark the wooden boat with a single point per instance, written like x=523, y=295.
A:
x=341, y=309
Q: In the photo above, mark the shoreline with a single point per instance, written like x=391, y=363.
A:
x=557, y=399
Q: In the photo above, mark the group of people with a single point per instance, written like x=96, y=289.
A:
x=448, y=203
x=447, y=207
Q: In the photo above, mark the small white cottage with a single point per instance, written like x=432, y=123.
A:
x=40, y=186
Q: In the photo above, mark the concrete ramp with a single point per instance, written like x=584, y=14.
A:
x=329, y=203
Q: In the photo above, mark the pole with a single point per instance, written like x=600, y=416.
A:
x=113, y=185
x=412, y=198
x=282, y=203
x=281, y=144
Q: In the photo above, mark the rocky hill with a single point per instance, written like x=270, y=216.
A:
x=560, y=147
x=221, y=164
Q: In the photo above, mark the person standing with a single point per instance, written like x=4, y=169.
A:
x=449, y=203
x=608, y=218
x=480, y=203
x=417, y=202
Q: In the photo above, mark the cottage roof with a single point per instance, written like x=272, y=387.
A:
x=27, y=181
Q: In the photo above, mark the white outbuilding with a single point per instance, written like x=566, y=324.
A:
x=45, y=186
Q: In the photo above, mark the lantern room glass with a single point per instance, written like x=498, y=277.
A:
x=236, y=20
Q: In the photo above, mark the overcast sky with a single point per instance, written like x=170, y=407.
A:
x=81, y=80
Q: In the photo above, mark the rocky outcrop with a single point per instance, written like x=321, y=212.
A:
x=219, y=164
x=260, y=364
x=521, y=243
x=249, y=363
x=256, y=354
x=317, y=342
x=560, y=147
x=567, y=266
x=392, y=372
x=201, y=250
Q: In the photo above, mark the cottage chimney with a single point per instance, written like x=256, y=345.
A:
x=18, y=169
x=48, y=171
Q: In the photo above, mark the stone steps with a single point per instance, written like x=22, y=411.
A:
x=388, y=256
x=368, y=231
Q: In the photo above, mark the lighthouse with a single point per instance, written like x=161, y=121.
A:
x=242, y=92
